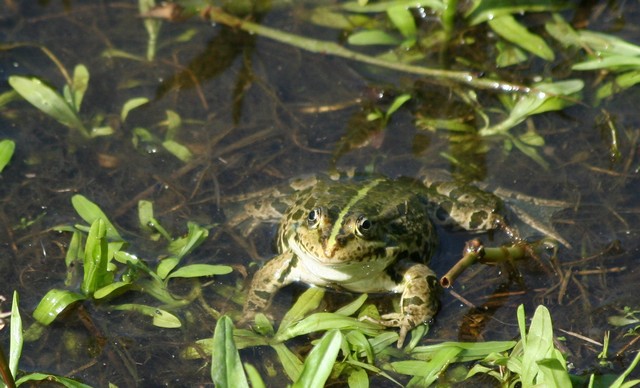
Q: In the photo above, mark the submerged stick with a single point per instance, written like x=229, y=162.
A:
x=475, y=252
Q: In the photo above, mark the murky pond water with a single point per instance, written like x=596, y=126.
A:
x=255, y=112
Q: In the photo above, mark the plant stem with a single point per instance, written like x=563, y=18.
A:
x=331, y=48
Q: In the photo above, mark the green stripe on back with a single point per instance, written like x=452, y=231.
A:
x=337, y=224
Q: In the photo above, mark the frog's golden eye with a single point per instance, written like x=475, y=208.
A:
x=363, y=225
x=313, y=218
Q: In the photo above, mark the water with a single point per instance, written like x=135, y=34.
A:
x=255, y=112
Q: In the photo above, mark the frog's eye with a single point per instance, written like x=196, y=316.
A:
x=313, y=218
x=363, y=225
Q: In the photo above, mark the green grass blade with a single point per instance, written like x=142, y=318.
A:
x=53, y=303
x=319, y=363
x=48, y=101
x=226, y=366
x=6, y=152
x=15, y=347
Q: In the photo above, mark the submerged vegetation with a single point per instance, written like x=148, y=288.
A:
x=167, y=124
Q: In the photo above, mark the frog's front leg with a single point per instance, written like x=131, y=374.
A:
x=419, y=301
x=266, y=282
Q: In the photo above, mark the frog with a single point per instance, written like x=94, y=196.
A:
x=373, y=235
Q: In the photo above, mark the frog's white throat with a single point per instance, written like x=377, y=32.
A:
x=356, y=276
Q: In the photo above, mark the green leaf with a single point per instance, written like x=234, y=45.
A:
x=382, y=6
x=198, y=270
x=80, y=85
x=397, y=103
x=254, y=377
x=546, y=97
x=111, y=290
x=178, y=150
x=619, y=84
x=471, y=351
x=539, y=346
x=166, y=266
x=308, y=301
x=290, y=362
x=226, y=366
x=17, y=339
x=96, y=258
x=131, y=105
x=489, y=9
x=426, y=372
x=185, y=245
x=352, y=307
x=53, y=303
x=47, y=378
x=621, y=320
x=90, y=212
x=48, y=101
x=372, y=37
x=619, y=383
x=403, y=20
x=508, y=28
x=174, y=122
x=326, y=321
x=554, y=372
x=161, y=318
x=319, y=363
x=358, y=378
x=6, y=152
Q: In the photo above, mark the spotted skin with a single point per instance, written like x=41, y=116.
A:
x=367, y=237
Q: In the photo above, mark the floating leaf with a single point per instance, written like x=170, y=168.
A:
x=226, y=366
x=6, y=152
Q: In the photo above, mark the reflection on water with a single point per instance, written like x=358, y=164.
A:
x=254, y=113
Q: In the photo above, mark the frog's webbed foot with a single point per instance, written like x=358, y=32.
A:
x=419, y=302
